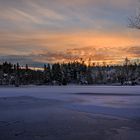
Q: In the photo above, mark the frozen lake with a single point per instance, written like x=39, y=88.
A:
x=109, y=100
x=70, y=112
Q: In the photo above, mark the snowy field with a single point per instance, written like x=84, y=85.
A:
x=105, y=98
x=70, y=112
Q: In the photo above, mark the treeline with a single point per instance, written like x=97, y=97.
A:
x=70, y=73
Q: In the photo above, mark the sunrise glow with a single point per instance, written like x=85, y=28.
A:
x=48, y=31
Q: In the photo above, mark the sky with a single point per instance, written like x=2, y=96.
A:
x=48, y=31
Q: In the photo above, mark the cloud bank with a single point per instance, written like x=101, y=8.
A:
x=61, y=30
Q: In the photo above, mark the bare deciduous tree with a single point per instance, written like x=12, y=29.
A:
x=134, y=22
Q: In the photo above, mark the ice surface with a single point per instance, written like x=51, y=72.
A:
x=70, y=113
x=32, y=90
x=110, y=100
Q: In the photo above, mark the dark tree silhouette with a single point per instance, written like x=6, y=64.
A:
x=70, y=73
x=134, y=21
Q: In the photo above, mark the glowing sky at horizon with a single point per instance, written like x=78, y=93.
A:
x=41, y=31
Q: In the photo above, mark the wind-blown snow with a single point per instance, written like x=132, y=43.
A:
x=68, y=89
x=113, y=100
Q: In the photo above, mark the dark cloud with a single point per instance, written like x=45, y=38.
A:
x=95, y=54
x=23, y=60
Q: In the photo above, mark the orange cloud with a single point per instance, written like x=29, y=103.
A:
x=61, y=41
